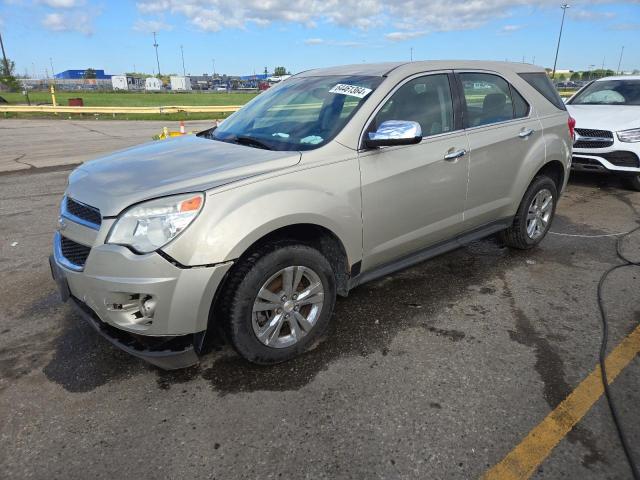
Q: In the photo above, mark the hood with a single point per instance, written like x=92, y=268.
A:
x=606, y=117
x=184, y=164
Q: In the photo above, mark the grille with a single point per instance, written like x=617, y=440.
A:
x=84, y=212
x=621, y=158
x=599, y=138
x=74, y=252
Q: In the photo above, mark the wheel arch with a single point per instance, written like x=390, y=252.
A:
x=311, y=234
x=555, y=170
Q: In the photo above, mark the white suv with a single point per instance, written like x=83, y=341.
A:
x=607, y=114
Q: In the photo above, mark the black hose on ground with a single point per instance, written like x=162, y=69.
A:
x=603, y=351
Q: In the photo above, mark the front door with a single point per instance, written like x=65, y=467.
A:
x=412, y=196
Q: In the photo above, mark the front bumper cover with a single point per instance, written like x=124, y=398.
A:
x=172, y=337
x=166, y=352
x=172, y=354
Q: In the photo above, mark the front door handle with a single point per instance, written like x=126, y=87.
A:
x=526, y=132
x=456, y=154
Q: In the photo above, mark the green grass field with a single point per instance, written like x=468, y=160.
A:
x=121, y=99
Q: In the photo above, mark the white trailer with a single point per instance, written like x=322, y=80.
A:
x=119, y=82
x=152, y=84
x=180, y=84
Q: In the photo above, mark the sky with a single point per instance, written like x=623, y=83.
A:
x=244, y=36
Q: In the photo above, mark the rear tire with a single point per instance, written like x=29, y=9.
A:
x=278, y=301
x=633, y=183
x=533, y=218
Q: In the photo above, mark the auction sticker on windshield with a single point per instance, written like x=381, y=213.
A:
x=351, y=90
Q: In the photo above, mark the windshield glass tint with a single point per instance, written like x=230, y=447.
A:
x=299, y=114
x=610, y=92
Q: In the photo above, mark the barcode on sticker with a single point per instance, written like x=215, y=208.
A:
x=351, y=90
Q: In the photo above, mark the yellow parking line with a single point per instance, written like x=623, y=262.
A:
x=523, y=460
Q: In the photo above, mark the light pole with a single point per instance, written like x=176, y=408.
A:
x=184, y=73
x=4, y=57
x=155, y=44
x=564, y=10
x=617, y=71
x=411, y=54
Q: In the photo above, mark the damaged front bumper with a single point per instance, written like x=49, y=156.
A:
x=110, y=292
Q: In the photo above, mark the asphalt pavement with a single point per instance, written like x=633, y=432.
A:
x=35, y=143
x=435, y=372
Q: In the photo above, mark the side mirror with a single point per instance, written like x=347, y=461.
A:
x=394, y=132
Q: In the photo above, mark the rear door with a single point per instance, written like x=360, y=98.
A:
x=413, y=197
x=503, y=133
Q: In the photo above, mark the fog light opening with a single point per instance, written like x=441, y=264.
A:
x=148, y=306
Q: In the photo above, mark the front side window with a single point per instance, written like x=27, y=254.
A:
x=299, y=114
x=609, y=92
x=487, y=99
x=426, y=100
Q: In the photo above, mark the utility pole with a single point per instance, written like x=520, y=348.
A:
x=617, y=71
x=4, y=57
x=411, y=54
x=155, y=44
x=184, y=73
x=564, y=10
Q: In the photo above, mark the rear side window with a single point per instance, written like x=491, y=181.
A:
x=543, y=85
x=487, y=98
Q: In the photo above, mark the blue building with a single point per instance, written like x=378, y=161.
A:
x=79, y=75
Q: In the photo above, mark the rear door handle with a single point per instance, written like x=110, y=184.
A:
x=456, y=154
x=526, y=132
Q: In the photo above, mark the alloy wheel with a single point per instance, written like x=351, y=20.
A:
x=539, y=214
x=287, y=306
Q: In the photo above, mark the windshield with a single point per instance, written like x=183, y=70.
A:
x=299, y=114
x=609, y=92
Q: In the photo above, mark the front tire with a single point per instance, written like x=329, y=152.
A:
x=534, y=216
x=279, y=302
x=633, y=183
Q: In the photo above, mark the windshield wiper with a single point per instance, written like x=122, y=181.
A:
x=251, y=142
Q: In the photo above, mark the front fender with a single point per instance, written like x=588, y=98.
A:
x=234, y=219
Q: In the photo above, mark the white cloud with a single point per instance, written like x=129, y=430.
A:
x=626, y=26
x=333, y=43
x=511, y=28
x=410, y=18
x=590, y=15
x=62, y=3
x=402, y=36
x=68, y=22
x=148, y=26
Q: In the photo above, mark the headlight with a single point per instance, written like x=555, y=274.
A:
x=629, y=136
x=151, y=225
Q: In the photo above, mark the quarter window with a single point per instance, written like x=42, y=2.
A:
x=520, y=105
x=426, y=100
x=488, y=99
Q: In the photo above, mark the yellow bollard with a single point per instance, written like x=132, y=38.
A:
x=53, y=99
